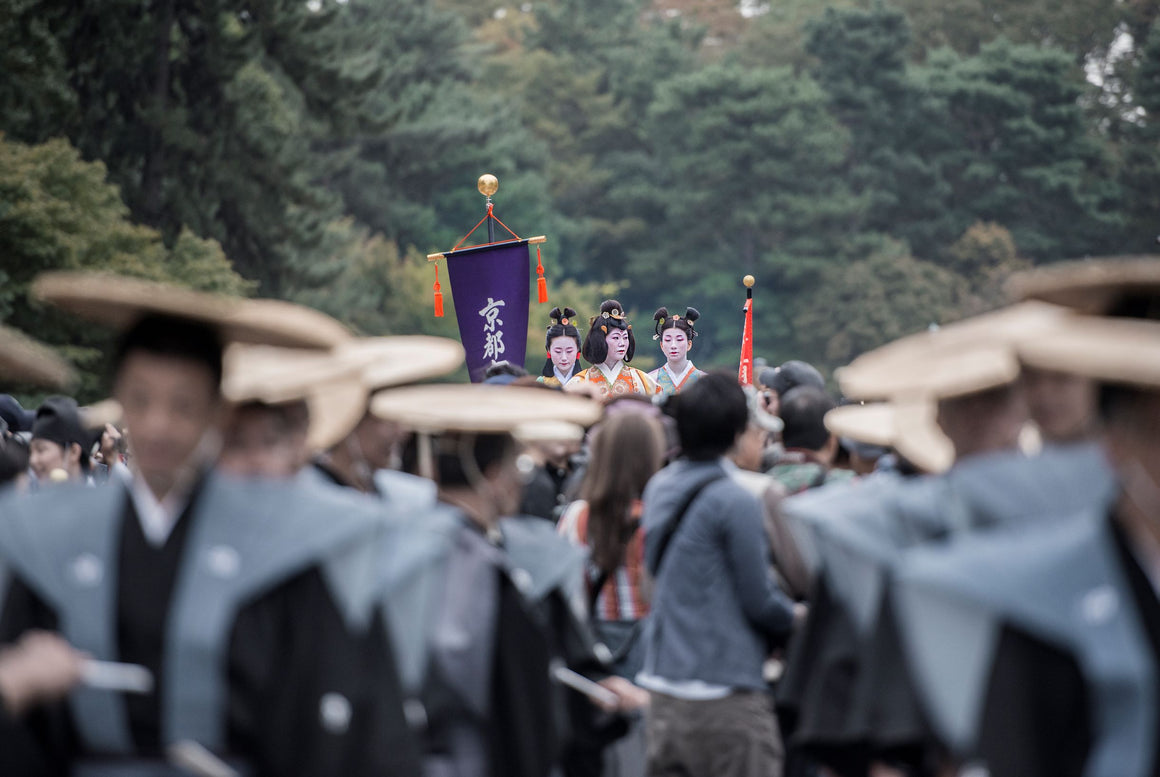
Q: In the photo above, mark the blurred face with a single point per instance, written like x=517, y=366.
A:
x=505, y=486
x=170, y=406
x=1131, y=439
x=259, y=444
x=377, y=440
x=986, y=422
x=1062, y=406
x=675, y=345
x=563, y=354
x=617, y=340
x=45, y=456
x=750, y=448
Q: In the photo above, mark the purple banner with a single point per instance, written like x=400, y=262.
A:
x=490, y=288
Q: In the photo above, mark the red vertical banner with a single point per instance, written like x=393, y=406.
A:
x=745, y=371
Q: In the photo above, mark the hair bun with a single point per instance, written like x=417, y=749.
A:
x=692, y=314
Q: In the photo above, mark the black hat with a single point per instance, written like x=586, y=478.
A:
x=675, y=321
x=14, y=416
x=612, y=316
x=791, y=375
x=58, y=420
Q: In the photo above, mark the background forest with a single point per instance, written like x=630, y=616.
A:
x=878, y=166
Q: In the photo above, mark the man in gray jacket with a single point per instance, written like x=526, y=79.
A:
x=716, y=609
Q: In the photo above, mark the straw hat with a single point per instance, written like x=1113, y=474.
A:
x=480, y=408
x=1091, y=286
x=23, y=360
x=397, y=361
x=919, y=438
x=962, y=358
x=335, y=384
x=872, y=423
x=97, y=415
x=548, y=431
x=119, y=302
x=1110, y=350
x=908, y=425
x=331, y=387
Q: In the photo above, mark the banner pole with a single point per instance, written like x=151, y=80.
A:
x=488, y=185
x=745, y=371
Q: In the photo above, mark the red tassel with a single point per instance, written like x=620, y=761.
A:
x=438, y=295
x=541, y=282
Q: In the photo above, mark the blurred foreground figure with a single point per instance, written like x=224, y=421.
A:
x=253, y=636
x=957, y=409
x=1037, y=655
x=491, y=621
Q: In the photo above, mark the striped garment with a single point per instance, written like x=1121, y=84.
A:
x=621, y=598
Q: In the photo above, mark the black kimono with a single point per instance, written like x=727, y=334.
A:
x=1037, y=656
x=480, y=627
x=310, y=685
x=869, y=710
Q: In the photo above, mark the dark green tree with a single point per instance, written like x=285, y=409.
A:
x=748, y=164
x=1138, y=126
x=58, y=212
x=859, y=57
x=1012, y=147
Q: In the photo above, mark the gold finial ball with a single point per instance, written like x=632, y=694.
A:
x=487, y=184
x=749, y=280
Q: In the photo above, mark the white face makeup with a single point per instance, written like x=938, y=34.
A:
x=617, y=340
x=563, y=352
x=675, y=345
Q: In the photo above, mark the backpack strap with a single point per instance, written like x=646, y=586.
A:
x=670, y=529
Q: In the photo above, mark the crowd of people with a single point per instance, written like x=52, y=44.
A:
x=279, y=549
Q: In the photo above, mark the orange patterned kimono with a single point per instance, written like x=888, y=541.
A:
x=619, y=382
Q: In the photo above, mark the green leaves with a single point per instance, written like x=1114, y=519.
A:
x=58, y=212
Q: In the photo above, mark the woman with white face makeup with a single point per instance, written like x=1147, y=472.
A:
x=563, y=346
x=608, y=347
x=676, y=335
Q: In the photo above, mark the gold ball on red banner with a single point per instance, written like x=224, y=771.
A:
x=749, y=280
x=488, y=184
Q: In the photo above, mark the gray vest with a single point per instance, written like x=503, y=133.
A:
x=1062, y=584
x=437, y=591
x=246, y=538
x=856, y=532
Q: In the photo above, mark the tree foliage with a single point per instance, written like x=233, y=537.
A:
x=58, y=212
x=878, y=166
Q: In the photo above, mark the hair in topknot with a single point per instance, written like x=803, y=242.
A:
x=612, y=316
x=684, y=323
x=563, y=325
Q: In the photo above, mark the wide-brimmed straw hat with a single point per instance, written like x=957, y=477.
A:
x=909, y=425
x=99, y=414
x=548, y=432
x=331, y=387
x=917, y=436
x=120, y=302
x=480, y=408
x=1110, y=350
x=962, y=358
x=1090, y=286
x=397, y=361
x=335, y=384
x=27, y=362
x=872, y=423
